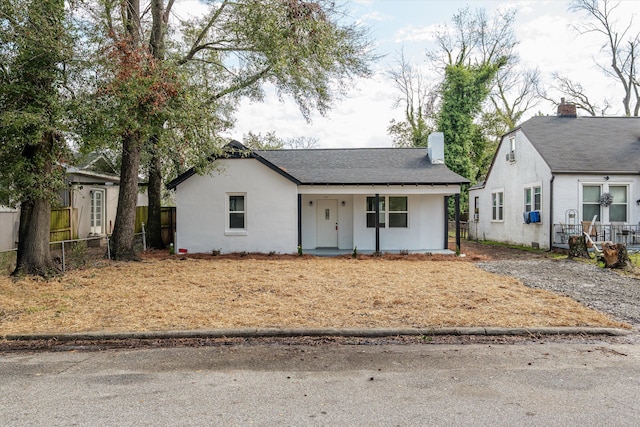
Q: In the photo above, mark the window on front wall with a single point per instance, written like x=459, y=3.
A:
x=532, y=198
x=396, y=216
x=618, y=208
x=591, y=202
x=371, y=212
x=398, y=212
x=237, y=212
x=497, y=205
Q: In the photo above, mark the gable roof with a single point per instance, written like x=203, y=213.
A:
x=586, y=144
x=393, y=166
x=362, y=166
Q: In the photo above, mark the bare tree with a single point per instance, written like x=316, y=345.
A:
x=475, y=39
x=621, y=44
x=417, y=98
x=577, y=94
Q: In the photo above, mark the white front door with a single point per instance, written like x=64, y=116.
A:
x=327, y=223
x=97, y=211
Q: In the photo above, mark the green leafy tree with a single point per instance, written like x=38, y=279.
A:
x=472, y=41
x=301, y=48
x=464, y=90
x=33, y=48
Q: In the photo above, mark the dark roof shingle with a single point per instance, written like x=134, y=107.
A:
x=586, y=144
x=361, y=166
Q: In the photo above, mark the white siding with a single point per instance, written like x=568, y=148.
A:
x=271, y=209
x=425, y=229
x=9, y=222
x=568, y=195
x=512, y=177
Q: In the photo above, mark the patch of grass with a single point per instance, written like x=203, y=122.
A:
x=512, y=246
x=7, y=262
x=635, y=258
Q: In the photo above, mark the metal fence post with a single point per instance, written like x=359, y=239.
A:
x=63, y=256
x=144, y=238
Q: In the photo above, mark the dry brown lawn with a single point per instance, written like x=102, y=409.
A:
x=189, y=293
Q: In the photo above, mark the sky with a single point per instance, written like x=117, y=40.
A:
x=546, y=40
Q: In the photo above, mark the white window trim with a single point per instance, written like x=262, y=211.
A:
x=620, y=184
x=497, y=191
x=228, y=231
x=532, y=187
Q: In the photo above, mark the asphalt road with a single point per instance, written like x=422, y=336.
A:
x=385, y=385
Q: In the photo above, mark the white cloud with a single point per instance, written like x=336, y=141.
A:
x=414, y=34
x=360, y=120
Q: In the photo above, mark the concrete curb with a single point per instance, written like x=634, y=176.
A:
x=315, y=332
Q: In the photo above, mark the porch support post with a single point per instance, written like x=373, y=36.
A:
x=299, y=220
x=446, y=222
x=457, y=223
x=377, y=222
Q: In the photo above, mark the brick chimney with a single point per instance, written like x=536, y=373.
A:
x=566, y=109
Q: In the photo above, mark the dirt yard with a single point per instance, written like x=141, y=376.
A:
x=203, y=291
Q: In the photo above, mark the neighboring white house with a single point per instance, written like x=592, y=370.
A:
x=9, y=221
x=92, y=190
x=277, y=200
x=566, y=170
x=93, y=187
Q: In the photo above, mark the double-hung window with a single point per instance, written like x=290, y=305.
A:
x=532, y=198
x=591, y=202
x=394, y=212
x=236, y=212
x=618, y=207
x=497, y=206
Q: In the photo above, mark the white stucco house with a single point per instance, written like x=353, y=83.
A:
x=276, y=200
x=552, y=175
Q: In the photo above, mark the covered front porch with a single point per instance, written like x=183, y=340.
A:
x=335, y=220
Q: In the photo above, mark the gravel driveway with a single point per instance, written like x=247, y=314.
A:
x=595, y=287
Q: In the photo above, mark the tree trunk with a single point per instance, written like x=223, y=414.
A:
x=154, y=219
x=123, y=239
x=578, y=247
x=615, y=256
x=34, y=255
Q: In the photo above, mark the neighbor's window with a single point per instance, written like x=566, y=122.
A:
x=398, y=212
x=237, y=212
x=591, y=202
x=371, y=212
x=497, y=205
x=532, y=198
x=618, y=208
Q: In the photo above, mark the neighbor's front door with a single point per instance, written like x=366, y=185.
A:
x=327, y=223
x=97, y=211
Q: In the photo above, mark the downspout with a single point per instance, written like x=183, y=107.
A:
x=553, y=177
x=377, y=223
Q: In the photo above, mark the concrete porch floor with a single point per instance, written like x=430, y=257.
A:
x=332, y=252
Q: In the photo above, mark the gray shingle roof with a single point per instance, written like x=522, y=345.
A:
x=586, y=144
x=361, y=166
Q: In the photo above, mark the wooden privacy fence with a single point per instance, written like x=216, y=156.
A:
x=64, y=224
x=167, y=220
